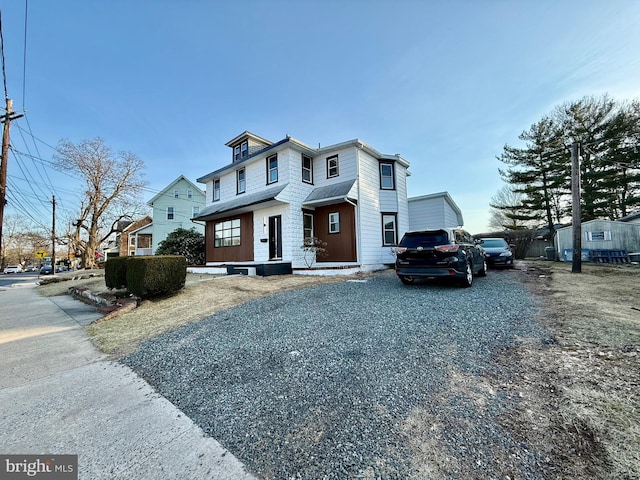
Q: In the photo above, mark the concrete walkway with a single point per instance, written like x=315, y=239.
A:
x=59, y=395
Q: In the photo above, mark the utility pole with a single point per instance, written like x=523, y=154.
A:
x=8, y=116
x=53, y=237
x=576, y=265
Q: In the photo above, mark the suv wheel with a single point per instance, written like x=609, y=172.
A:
x=483, y=270
x=467, y=281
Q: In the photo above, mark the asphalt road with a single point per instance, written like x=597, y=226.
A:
x=7, y=279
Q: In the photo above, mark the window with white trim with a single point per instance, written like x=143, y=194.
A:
x=241, y=181
x=389, y=229
x=170, y=213
x=195, y=211
x=334, y=222
x=272, y=169
x=227, y=233
x=216, y=190
x=241, y=151
x=600, y=236
x=307, y=225
x=307, y=169
x=176, y=193
x=386, y=176
x=189, y=193
x=332, y=166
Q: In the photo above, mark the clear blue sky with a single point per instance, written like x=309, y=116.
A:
x=444, y=83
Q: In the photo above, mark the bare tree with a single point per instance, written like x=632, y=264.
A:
x=507, y=210
x=112, y=183
x=23, y=239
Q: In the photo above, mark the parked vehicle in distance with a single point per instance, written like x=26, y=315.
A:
x=13, y=269
x=444, y=253
x=31, y=268
x=498, y=252
x=46, y=270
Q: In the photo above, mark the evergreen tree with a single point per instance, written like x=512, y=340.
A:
x=187, y=243
x=539, y=172
x=608, y=137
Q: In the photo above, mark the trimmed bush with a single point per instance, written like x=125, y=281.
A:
x=115, y=272
x=148, y=276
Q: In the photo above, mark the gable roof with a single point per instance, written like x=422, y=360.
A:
x=245, y=136
x=167, y=189
x=136, y=224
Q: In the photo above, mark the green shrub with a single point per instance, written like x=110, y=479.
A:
x=115, y=272
x=148, y=276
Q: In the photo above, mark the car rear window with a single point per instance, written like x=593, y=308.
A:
x=494, y=243
x=413, y=240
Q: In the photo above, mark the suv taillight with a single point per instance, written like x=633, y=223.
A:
x=447, y=248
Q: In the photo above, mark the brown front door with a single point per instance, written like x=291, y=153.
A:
x=336, y=225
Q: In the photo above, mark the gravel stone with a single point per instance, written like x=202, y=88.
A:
x=321, y=383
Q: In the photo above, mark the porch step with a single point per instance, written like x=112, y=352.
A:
x=260, y=269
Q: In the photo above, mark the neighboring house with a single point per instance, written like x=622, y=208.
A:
x=437, y=210
x=262, y=206
x=133, y=239
x=600, y=235
x=173, y=208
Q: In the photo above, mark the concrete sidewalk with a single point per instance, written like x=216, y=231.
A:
x=59, y=395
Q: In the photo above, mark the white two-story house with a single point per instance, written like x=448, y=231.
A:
x=272, y=195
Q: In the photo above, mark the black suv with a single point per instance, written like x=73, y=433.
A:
x=447, y=252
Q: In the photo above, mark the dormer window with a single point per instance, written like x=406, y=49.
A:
x=241, y=151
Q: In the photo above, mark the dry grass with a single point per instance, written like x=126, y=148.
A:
x=202, y=296
x=589, y=382
x=61, y=287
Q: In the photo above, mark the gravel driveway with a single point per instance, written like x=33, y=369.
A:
x=362, y=379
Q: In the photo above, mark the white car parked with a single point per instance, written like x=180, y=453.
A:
x=13, y=269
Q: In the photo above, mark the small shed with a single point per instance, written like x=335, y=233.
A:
x=601, y=235
x=437, y=210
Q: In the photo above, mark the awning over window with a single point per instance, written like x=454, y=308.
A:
x=241, y=204
x=335, y=193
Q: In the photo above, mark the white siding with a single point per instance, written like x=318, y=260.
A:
x=403, y=204
x=431, y=212
x=426, y=213
x=353, y=164
x=624, y=236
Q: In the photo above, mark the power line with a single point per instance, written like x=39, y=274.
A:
x=4, y=72
x=24, y=56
